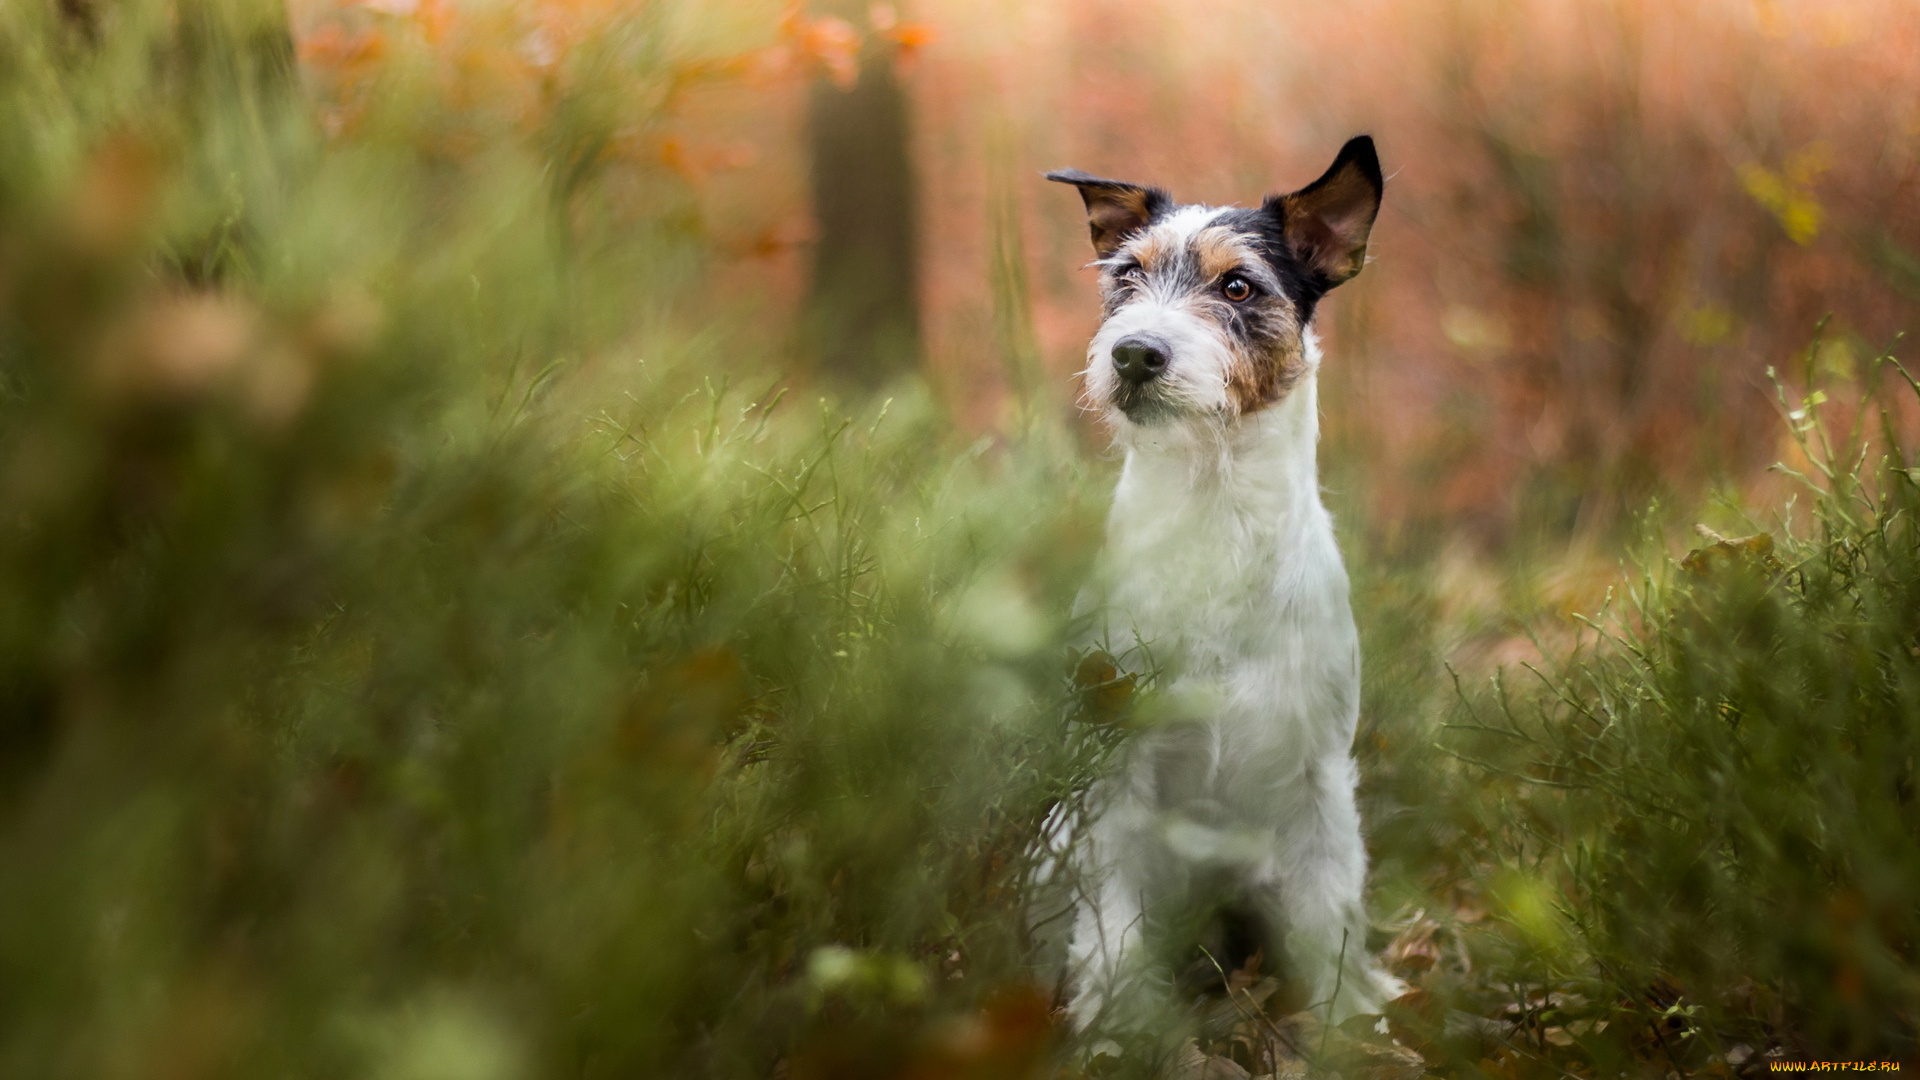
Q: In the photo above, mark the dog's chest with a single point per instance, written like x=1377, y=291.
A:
x=1236, y=594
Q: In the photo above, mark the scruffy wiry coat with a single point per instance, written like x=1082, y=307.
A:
x=1221, y=573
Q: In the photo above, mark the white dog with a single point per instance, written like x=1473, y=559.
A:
x=1221, y=565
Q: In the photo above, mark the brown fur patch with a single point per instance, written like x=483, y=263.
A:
x=1218, y=250
x=1258, y=383
x=1259, y=379
x=1153, y=247
x=1113, y=213
x=1328, y=223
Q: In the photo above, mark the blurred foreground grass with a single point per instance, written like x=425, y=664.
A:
x=379, y=700
x=420, y=658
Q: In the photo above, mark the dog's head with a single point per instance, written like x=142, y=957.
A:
x=1206, y=308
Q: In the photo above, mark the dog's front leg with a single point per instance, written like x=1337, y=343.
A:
x=1313, y=889
x=1106, y=956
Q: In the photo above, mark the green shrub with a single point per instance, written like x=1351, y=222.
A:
x=1709, y=818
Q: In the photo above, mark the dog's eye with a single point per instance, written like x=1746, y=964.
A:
x=1236, y=288
x=1133, y=275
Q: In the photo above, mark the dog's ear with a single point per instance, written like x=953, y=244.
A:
x=1326, y=223
x=1114, y=208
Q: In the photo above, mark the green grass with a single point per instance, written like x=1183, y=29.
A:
x=1700, y=821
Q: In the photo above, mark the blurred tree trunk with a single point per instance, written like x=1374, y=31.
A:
x=81, y=18
x=237, y=46
x=862, y=320
x=250, y=37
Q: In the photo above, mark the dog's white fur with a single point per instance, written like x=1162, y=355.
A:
x=1221, y=564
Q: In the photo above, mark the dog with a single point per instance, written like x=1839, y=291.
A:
x=1220, y=565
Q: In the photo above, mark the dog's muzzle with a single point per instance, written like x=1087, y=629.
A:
x=1139, y=359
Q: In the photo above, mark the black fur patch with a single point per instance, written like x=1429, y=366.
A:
x=1266, y=228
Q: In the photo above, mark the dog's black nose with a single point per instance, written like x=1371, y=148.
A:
x=1139, y=359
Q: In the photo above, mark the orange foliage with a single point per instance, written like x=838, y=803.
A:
x=831, y=42
x=512, y=62
x=1605, y=219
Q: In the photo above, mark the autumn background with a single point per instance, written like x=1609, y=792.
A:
x=535, y=537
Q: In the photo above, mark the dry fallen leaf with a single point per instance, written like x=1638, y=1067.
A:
x=1196, y=1064
x=1104, y=688
x=1413, y=950
x=1750, y=552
